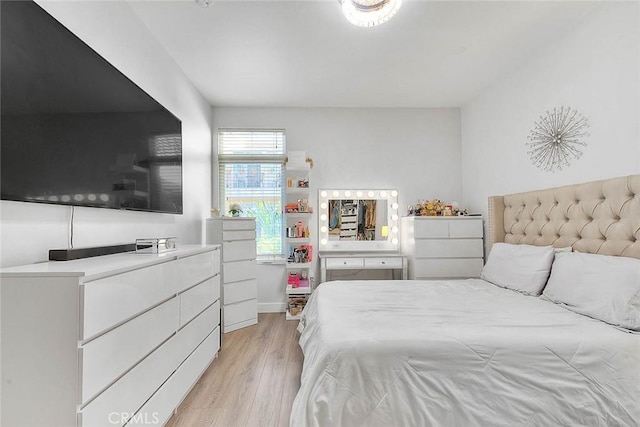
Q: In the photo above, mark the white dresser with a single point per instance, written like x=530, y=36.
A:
x=443, y=247
x=105, y=340
x=239, y=270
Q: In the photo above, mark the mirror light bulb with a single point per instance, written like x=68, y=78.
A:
x=383, y=193
x=323, y=217
x=359, y=194
x=394, y=206
x=323, y=194
x=323, y=205
x=371, y=194
x=323, y=229
x=394, y=241
x=336, y=193
x=394, y=217
x=394, y=193
x=323, y=241
x=394, y=229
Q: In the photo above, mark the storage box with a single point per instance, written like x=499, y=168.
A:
x=156, y=245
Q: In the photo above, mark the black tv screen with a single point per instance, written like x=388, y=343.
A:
x=74, y=129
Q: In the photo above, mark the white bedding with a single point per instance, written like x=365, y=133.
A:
x=459, y=353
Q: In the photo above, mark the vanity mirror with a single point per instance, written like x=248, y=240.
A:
x=358, y=220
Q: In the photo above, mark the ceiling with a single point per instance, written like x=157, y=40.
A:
x=304, y=53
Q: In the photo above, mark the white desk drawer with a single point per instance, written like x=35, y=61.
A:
x=238, y=251
x=240, y=312
x=239, y=270
x=240, y=291
x=449, y=248
x=448, y=268
x=194, y=269
x=111, y=354
x=228, y=236
x=198, y=298
x=344, y=263
x=131, y=391
x=239, y=224
x=382, y=262
x=109, y=301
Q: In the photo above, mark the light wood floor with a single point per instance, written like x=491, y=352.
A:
x=252, y=382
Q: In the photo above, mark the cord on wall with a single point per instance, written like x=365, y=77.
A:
x=73, y=210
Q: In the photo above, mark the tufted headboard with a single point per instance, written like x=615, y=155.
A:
x=600, y=217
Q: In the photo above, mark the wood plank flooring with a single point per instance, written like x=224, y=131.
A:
x=251, y=383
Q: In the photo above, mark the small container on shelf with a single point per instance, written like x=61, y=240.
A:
x=300, y=254
x=295, y=305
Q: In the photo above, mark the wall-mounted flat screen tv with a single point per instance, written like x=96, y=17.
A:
x=74, y=129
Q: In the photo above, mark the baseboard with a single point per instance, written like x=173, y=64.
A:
x=272, y=307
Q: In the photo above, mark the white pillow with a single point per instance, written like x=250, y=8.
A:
x=523, y=268
x=599, y=286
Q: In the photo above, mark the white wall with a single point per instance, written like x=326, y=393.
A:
x=29, y=230
x=594, y=69
x=416, y=151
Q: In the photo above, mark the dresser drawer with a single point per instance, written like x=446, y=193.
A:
x=162, y=403
x=447, y=268
x=240, y=291
x=447, y=228
x=196, y=268
x=111, y=300
x=344, y=263
x=238, y=224
x=449, y=248
x=431, y=228
x=132, y=390
x=240, y=312
x=382, y=262
x=110, y=355
x=238, y=251
x=228, y=236
x=198, y=298
x=466, y=228
x=239, y=270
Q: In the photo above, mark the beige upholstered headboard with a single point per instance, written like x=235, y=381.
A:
x=600, y=217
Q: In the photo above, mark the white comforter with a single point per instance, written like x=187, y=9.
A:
x=459, y=353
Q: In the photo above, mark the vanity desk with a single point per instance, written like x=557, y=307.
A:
x=359, y=230
x=363, y=261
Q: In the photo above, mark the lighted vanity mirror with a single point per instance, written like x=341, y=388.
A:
x=358, y=220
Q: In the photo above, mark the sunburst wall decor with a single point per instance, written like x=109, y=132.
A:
x=557, y=139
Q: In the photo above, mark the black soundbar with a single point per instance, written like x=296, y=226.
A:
x=77, y=253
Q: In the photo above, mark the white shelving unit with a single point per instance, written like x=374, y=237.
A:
x=299, y=222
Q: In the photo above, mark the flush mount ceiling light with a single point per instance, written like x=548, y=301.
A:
x=367, y=13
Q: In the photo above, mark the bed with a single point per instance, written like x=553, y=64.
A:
x=473, y=353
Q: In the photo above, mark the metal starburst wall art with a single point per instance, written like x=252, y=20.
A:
x=557, y=139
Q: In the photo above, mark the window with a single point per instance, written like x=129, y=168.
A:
x=251, y=164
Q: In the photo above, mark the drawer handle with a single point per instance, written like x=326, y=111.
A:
x=344, y=262
x=383, y=262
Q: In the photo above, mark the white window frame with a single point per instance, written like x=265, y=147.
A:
x=225, y=159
